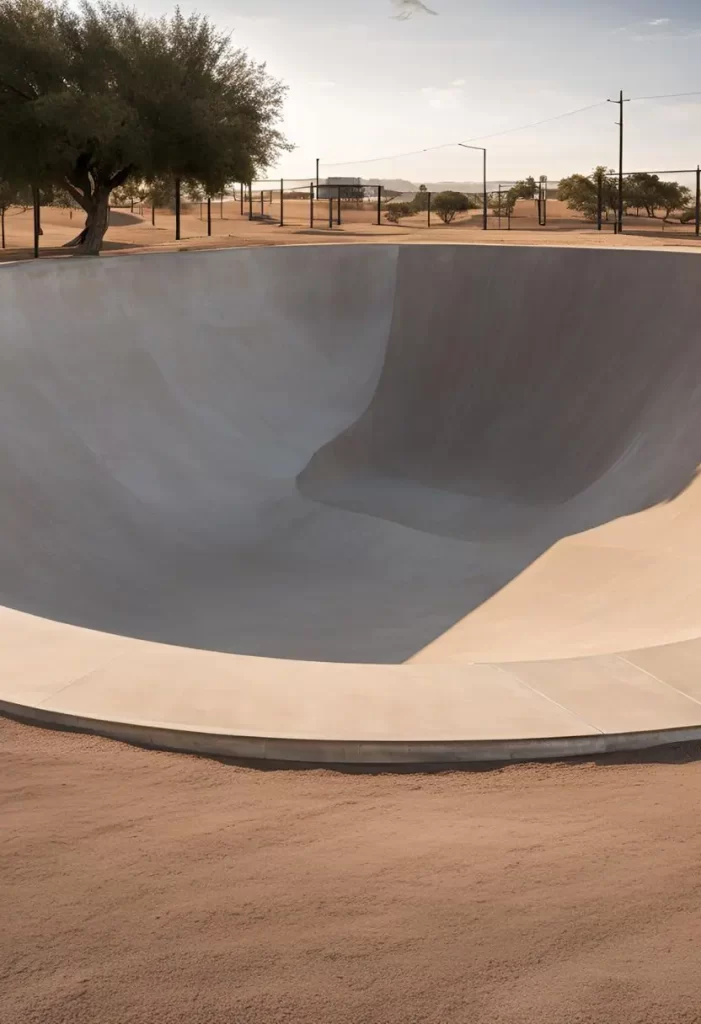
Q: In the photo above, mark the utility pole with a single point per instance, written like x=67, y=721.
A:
x=620, y=101
x=317, y=177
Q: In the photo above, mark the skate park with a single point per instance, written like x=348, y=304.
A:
x=355, y=504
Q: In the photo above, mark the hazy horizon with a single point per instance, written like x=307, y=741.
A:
x=364, y=85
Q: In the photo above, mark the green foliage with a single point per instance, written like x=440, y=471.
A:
x=448, y=204
x=525, y=189
x=503, y=202
x=395, y=211
x=92, y=97
x=640, y=191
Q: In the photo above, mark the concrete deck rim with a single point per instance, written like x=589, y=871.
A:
x=72, y=260
x=370, y=753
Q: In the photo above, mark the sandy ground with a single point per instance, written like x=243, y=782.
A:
x=135, y=233
x=152, y=888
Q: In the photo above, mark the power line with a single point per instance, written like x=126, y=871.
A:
x=507, y=131
x=535, y=124
x=666, y=96
x=395, y=156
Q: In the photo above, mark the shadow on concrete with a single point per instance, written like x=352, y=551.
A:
x=526, y=394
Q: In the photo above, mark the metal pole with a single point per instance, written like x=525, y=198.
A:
x=221, y=205
x=379, y=204
x=620, y=101
x=317, y=177
x=282, y=202
x=330, y=211
x=698, y=201
x=241, y=196
x=250, y=201
x=311, y=204
x=599, y=201
x=499, y=208
x=209, y=216
x=262, y=203
x=620, y=171
x=177, y=209
x=486, y=202
x=36, y=204
x=428, y=208
x=545, y=203
x=339, y=206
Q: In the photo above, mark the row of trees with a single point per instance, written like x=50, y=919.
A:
x=641, y=192
x=99, y=98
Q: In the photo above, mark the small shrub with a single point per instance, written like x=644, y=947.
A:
x=448, y=204
x=396, y=210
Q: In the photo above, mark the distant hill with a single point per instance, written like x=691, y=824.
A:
x=404, y=185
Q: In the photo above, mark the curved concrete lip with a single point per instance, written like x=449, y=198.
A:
x=478, y=530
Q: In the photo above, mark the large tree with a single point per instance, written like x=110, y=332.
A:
x=93, y=96
x=581, y=193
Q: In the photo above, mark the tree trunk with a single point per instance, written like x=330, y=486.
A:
x=89, y=241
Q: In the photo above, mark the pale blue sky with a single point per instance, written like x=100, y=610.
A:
x=364, y=85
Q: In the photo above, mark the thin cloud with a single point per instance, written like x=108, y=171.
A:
x=656, y=22
x=458, y=83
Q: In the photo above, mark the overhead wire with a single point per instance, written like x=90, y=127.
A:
x=506, y=131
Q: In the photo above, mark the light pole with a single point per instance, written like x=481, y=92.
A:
x=485, y=207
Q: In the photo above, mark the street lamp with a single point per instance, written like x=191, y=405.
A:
x=485, y=211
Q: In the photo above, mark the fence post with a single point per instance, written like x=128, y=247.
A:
x=282, y=202
x=379, y=204
x=250, y=201
x=36, y=205
x=209, y=216
x=698, y=200
x=599, y=201
x=428, y=209
x=311, y=204
x=177, y=209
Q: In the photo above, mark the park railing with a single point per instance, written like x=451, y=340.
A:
x=322, y=207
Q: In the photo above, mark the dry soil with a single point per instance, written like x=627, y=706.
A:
x=153, y=888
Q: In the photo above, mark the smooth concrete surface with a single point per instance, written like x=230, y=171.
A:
x=362, y=504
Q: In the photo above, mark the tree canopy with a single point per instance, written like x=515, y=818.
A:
x=93, y=96
x=448, y=204
x=640, y=191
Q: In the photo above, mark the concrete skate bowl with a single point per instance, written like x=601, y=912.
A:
x=354, y=503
